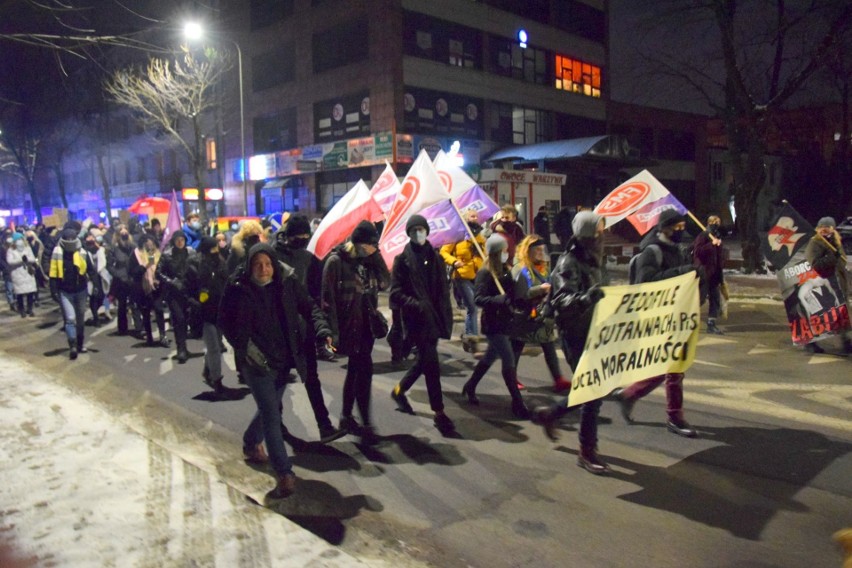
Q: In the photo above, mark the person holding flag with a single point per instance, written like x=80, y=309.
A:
x=660, y=258
x=419, y=290
x=465, y=260
x=825, y=254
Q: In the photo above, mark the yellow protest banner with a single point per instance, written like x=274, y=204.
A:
x=638, y=332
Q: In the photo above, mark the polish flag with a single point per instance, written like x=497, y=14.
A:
x=421, y=188
x=631, y=196
x=173, y=222
x=356, y=206
x=385, y=189
x=455, y=180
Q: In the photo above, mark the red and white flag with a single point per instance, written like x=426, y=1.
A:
x=421, y=188
x=455, y=180
x=356, y=206
x=385, y=189
x=629, y=197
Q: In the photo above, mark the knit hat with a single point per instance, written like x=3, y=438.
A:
x=824, y=222
x=16, y=236
x=416, y=221
x=208, y=243
x=365, y=233
x=297, y=225
x=69, y=241
x=496, y=243
x=668, y=218
x=585, y=224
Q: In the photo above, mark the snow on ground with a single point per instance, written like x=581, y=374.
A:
x=82, y=489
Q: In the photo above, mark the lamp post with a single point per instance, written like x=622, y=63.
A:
x=194, y=31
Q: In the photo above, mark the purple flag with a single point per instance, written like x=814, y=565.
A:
x=173, y=222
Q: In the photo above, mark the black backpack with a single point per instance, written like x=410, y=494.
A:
x=631, y=268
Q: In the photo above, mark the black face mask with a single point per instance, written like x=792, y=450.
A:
x=92, y=246
x=677, y=236
x=124, y=237
x=298, y=243
x=714, y=229
x=476, y=228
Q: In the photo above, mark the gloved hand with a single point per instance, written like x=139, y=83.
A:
x=594, y=294
x=25, y=259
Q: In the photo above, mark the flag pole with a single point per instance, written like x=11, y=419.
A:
x=476, y=244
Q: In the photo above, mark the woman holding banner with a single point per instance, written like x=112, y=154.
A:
x=577, y=279
x=825, y=254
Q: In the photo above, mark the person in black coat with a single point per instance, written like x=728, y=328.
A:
x=260, y=316
x=206, y=278
x=118, y=261
x=419, y=290
x=171, y=272
x=709, y=254
x=146, y=291
x=541, y=224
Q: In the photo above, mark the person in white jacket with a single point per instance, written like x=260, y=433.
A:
x=22, y=267
x=99, y=276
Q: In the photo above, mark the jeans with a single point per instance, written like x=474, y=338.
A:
x=499, y=346
x=213, y=351
x=550, y=357
x=427, y=364
x=30, y=298
x=267, y=390
x=359, y=379
x=674, y=392
x=10, y=292
x=177, y=317
x=471, y=320
x=312, y=383
x=74, y=311
x=572, y=347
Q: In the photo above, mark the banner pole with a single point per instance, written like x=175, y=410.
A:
x=476, y=244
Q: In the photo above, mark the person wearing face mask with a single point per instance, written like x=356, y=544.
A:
x=118, y=262
x=709, y=254
x=291, y=243
x=38, y=254
x=465, y=259
x=827, y=262
x=509, y=227
x=577, y=279
x=354, y=273
x=222, y=243
x=99, y=276
x=260, y=316
x=496, y=323
x=68, y=283
x=22, y=269
x=193, y=230
x=7, y=274
x=171, y=273
x=147, y=294
x=251, y=232
x=419, y=290
x=661, y=258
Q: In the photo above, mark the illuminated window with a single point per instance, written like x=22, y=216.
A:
x=575, y=76
x=210, y=149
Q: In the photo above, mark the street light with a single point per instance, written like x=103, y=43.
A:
x=194, y=32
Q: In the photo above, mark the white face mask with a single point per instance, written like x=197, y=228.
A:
x=504, y=257
x=419, y=236
x=20, y=244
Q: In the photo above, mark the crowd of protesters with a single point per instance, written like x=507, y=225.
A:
x=282, y=309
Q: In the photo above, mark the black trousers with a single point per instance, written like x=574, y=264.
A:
x=426, y=364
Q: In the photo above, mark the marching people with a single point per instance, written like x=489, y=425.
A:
x=99, y=277
x=577, y=280
x=291, y=247
x=118, y=262
x=8, y=286
x=827, y=262
x=465, y=259
x=509, y=227
x=533, y=287
x=709, y=254
x=541, y=224
x=562, y=226
x=354, y=274
x=193, y=230
x=22, y=267
x=171, y=274
x=147, y=294
x=661, y=258
x=249, y=234
x=38, y=248
x=259, y=315
x=68, y=285
x=419, y=290
x=496, y=322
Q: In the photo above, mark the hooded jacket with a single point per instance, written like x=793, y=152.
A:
x=576, y=271
x=419, y=289
x=673, y=262
x=173, y=265
x=247, y=311
x=827, y=262
x=308, y=267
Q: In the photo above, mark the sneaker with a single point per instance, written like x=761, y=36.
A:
x=165, y=342
x=73, y=353
x=681, y=427
x=215, y=384
x=286, y=486
x=626, y=405
x=368, y=435
x=444, y=424
x=520, y=410
x=349, y=425
x=544, y=416
x=521, y=386
x=561, y=385
x=401, y=400
x=712, y=329
x=182, y=356
x=329, y=433
x=256, y=455
x=589, y=460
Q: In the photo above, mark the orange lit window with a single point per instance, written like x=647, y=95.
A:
x=575, y=76
x=210, y=150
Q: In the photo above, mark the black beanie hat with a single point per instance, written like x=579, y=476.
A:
x=668, y=218
x=207, y=243
x=365, y=233
x=416, y=221
x=297, y=225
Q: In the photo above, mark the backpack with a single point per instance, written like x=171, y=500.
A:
x=632, y=277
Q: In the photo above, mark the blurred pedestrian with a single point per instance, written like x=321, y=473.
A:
x=146, y=288
x=709, y=256
x=249, y=234
x=541, y=224
x=465, y=259
x=172, y=275
x=511, y=230
x=68, y=285
x=193, y=230
x=826, y=256
x=118, y=263
x=22, y=268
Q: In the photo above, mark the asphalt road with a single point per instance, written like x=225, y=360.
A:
x=765, y=484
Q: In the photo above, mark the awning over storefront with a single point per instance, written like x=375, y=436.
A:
x=276, y=183
x=608, y=146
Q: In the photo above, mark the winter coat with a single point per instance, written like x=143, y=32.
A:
x=576, y=271
x=709, y=256
x=145, y=290
x=513, y=232
x=193, y=237
x=248, y=312
x=496, y=315
x=171, y=271
x=466, y=252
x=308, y=268
x=21, y=272
x=529, y=294
x=673, y=261
x=206, y=279
x=118, y=261
x=541, y=226
x=350, y=287
x=419, y=289
x=99, y=276
x=75, y=279
x=829, y=262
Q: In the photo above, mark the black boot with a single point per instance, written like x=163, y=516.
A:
x=519, y=409
x=72, y=345
x=591, y=462
x=469, y=388
x=80, y=347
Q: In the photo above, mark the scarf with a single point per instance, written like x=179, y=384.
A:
x=148, y=280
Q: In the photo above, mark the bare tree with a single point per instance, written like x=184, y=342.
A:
x=746, y=59
x=20, y=155
x=173, y=97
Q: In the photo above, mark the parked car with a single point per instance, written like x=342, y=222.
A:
x=845, y=230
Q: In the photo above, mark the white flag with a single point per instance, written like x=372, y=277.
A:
x=455, y=180
x=629, y=197
x=385, y=189
x=421, y=188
